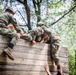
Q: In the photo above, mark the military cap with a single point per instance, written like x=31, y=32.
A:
x=40, y=23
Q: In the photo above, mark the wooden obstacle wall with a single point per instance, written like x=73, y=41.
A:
x=30, y=60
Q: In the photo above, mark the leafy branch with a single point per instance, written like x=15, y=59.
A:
x=63, y=15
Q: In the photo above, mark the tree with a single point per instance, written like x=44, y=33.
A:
x=24, y=2
x=37, y=5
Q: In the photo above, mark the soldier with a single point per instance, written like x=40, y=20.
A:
x=32, y=34
x=6, y=19
x=39, y=38
x=52, y=38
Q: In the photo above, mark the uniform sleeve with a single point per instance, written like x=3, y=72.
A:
x=13, y=21
x=35, y=32
x=27, y=37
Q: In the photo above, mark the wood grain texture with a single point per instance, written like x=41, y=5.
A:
x=30, y=60
x=27, y=73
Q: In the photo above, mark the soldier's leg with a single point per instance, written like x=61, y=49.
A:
x=59, y=68
x=56, y=60
x=13, y=36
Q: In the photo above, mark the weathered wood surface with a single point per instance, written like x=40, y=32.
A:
x=30, y=60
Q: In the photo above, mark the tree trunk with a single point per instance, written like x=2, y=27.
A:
x=38, y=13
x=37, y=5
x=28, y=14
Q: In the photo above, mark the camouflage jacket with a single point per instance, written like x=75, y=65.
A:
x=36, y=31
x=7, y=18
x=54, y=39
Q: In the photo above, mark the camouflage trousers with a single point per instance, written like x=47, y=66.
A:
x=13, y=36
x=54, y=56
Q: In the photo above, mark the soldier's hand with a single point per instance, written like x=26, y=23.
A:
x=10, y=26
x=33, y=42
x=21, y=34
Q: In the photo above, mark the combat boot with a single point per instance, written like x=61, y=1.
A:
x=7, y=51
x=59, y=70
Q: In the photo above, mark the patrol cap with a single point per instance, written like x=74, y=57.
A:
x=40, y=23
x=10, y=9
x=48, y=31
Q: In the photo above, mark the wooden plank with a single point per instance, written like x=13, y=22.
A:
x=2, y=45
x=32, y=50
x=64, y=49
x=22, y=73
x=26, y=73
x=29, y=62
x=54, y=73
x=20, y=48
x=29, y=56
x=21, y=67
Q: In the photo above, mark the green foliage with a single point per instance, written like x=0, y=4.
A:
x=71, y=62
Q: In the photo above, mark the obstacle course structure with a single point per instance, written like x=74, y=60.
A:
x=30, y=60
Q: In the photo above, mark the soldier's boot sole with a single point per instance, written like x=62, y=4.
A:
x=59, y=73
x=59, y=70
x=8, y=53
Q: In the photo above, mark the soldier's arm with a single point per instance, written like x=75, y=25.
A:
x=29, y=38
x=14, y=23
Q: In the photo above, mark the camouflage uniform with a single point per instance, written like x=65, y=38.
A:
x=39, y=38
x=54, y=42
x=31, y=35
x=5, y=20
